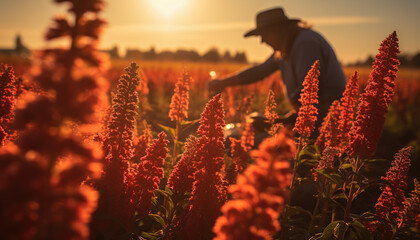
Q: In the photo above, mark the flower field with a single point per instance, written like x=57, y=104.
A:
x=99, y=149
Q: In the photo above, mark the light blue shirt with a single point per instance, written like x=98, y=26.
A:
x=308, y=47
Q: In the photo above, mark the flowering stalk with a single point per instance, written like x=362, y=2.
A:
x=270, y=112
x=50, y=161
x=179, y=107
x=329, y=131
x=245, y=109
x=305, y=122
x=7, y=101
x=259, y=193
x=142, y=142
x=347, y=109
x=149, y=173
x=326, y=162
x=366, y=130
x=248, y=136
x=181, y=179
x=390, y=202
x=209, y=192
x=239, y=160
x=118, y=148
x=411, y=207
x=356, y=166
x=181, y=182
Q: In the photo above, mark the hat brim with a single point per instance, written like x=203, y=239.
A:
x=257, y=31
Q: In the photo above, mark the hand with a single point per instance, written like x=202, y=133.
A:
x=216, y=86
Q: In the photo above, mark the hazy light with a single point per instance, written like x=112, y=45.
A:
x=212, y=74
x=342, y=20
x=168, y=7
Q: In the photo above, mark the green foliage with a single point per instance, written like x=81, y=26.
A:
x=340, y=230
x=167, y=206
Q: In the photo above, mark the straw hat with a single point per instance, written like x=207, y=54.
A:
x=267, y=18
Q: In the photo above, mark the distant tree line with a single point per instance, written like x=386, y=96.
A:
x=406, y=60
x=212, y=55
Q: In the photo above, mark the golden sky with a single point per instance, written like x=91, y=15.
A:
x=354, y=28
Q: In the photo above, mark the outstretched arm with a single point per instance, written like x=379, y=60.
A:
x=247, y=76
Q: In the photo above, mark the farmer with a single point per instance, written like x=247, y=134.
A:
x=295, y=49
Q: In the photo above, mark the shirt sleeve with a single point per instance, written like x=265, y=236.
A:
x=260, y=71
x=302, y=58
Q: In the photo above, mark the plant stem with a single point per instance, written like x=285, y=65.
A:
x=292, y=183
x=174, y=154
x=326, y=187
x=311, y=224
x=333, y=213
x=350, y=197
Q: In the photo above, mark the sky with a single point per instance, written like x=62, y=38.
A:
x=354, y=28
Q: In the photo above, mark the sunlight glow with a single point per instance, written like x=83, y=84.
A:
x=212, y=74
x=168, y=7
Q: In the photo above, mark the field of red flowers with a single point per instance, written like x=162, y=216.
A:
x=93, y=150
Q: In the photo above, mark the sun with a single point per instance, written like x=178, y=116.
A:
x=168, y=8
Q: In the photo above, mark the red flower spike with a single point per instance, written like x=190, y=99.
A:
x=271, y=108
x=209, y=193
x=366, y=130
x=7, y=101
x=329, y=130
x=180, y=99
x=326, y=162
x=390, y=202
x=245, y=107
x=348, y=105
x=182, y=177
x=239, y=155
x=248, y=136
x=305, y=122
x=411, y=206
x=118, y=148
x=149, y=173
x=50, y=162
x=141, y=143
x=260, y=192
x=120, y=126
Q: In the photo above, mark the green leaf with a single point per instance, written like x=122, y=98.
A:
x=309, y=162
x=339, y=196
x=303, y=181
x=296, y=210
x=168, y=197
x=335, y=230
x=332, y=175
x=361, y=232
x=169, y=191
x=151, y=236
x=179, y=144
x=345, y=165
x=311, y=151
x=376, y=160
x=317, y=236
x=369, y=217
x=186, y=124
x=164, y=193
x=168, y=130
x=335, y=203
x=156, y=205
x=158, y=219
